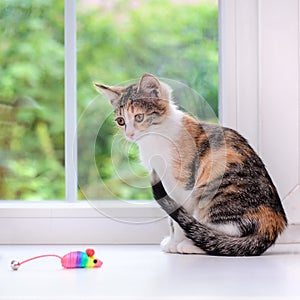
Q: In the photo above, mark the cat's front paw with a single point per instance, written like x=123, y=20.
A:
x=187, y=247
x=169, y=245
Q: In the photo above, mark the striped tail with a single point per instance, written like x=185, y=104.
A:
x=207, y=239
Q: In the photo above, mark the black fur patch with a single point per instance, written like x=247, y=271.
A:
x=130, y=93
x=158, y=191
x=162, y=198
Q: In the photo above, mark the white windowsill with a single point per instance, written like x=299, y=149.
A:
x=82, y=222
x=82, y=208
x=99, y=222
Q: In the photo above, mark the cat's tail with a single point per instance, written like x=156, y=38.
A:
x=207, y=239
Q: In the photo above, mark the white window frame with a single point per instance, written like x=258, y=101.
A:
x=247, y=93
x=115, y=222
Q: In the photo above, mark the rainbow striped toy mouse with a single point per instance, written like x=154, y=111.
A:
x=72, y=260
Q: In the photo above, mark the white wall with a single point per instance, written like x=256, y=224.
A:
x=259, y=88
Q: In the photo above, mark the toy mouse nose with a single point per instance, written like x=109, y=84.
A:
x=98, y=263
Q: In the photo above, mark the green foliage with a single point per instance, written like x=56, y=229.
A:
x=170, y=39
x=177, y=41
x=31, y=84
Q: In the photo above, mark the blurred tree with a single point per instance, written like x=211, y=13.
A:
x=31, y=85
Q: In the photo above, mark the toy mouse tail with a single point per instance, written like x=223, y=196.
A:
x=15, y=264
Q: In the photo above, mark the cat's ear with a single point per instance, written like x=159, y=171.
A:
x=149, y=85
x=112, y=93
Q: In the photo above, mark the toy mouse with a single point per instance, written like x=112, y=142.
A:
x=72, y=260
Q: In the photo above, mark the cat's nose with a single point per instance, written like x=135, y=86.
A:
x=130, y=135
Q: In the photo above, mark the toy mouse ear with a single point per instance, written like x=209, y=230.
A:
x=90, y=252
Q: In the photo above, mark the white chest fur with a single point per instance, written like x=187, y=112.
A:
x=156, y=153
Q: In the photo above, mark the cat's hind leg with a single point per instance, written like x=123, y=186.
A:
x=177, y=242
x=187, y=247
x=169, y=244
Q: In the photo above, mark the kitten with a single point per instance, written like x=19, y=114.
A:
x=215, y=188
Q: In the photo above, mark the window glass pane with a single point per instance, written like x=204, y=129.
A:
x=31, y=99
x=118, y=41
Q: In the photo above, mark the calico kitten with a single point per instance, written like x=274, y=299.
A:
x=215, y=188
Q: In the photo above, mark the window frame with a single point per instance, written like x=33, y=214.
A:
x=70, y=101
x=77, y=222
x=241, y=103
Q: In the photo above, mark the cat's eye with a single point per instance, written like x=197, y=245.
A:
x=120, y=121
x=139, y=117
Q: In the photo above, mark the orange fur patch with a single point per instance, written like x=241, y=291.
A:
x=191, y=127
x=231, y=137
x=215, y=163
x=212, y=164
x=233, y=157
x=269, y=222
x=184, y=149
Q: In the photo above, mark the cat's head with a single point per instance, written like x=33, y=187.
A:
x=139, y=108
